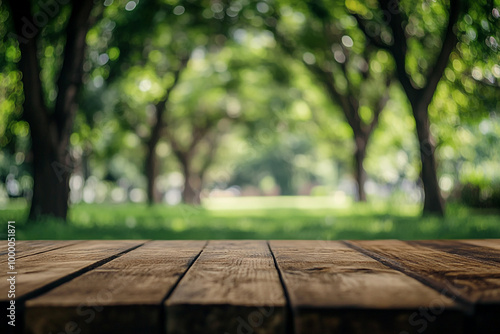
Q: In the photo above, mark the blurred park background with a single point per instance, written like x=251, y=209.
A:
x=277, y=119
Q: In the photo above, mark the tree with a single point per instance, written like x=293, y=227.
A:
x=343, y=67
x=156, y=135
x=419, y=89
x=158, y=59
x=193, y=127
x=51, y=125
x=194, y=174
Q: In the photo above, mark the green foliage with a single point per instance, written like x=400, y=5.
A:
x=276, y=123
x=277, y=162
x=393, y=152
x=15, y=179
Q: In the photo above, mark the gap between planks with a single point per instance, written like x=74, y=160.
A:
x=383, y=260
x=233, y=287
x=468, y=274
x=332, y=287
x=123, y=295
x=39, y=284
x=163, y=311
x=30, y=248
x=290, y=314
x=472, y=275
x=411, y=273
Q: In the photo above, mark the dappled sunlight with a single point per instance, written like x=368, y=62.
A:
x=337, y=201
x=278, y=115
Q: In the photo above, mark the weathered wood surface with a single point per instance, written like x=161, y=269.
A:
x=468, y=279
x=121, y=296
x=331, y=287
x=175, y=287
x=27, y=247
x=472, y=251
x=489, y=243
x=464, y=273
x=233, y=287
x=36, y=272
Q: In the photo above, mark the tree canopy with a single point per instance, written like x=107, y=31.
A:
x=178, y=100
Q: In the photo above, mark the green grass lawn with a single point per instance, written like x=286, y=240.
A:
x=257, y=218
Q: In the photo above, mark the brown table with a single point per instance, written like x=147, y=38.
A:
x=223, y=286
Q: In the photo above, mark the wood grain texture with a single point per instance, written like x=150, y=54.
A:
x=472, y=280
x=124, y=295
x=335, y=289
x=32, y=247
x=233, y=287
x=475, y=252
x=38, y=271
x=490, y=243
x=383, y=286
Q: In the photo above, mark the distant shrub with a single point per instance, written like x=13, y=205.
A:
x=481, y=196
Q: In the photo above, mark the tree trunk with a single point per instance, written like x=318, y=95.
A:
x=156, y=133
x=192, y=185
x=152, y=170
x=360, y=173
x=50, y=131
x=191, y=193
x=433, y=200
x=51, y=173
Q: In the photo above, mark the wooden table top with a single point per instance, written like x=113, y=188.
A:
x=255, y=286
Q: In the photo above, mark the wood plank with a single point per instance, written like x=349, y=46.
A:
x=468, y=279
x=335, y=289
x=122, y=296
x=233, y=287
x=32, y=247
x=473, y=281
x=491, y=243
x=472, y=251
x=40, y=270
